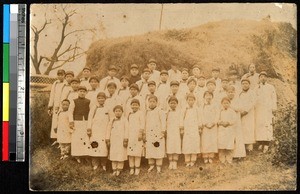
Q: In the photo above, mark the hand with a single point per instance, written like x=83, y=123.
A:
x=274, y=112
x=144, y=137
x=71, y=125
x=50, y=111
x=56, y=109
x=125, y=143
x=107, y=143
x=243, y=113
x=200, y=130
x=55, y=130
x=71, y=131
x=162, y=134
x=89, y=132
x=140, y=137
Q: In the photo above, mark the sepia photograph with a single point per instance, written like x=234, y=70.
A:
x=151, y=97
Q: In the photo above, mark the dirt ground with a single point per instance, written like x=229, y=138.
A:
x=255, y=172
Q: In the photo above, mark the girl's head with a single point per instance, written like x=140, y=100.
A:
x=101, y=97
x=61, y=74
x=201, y=81
x=135, y=105
x=215, y=72
x=86, y=72
x=224, y=83
x=69, y=76
x=146, y=74
x=164, y=75
x=173, y=102
x=94, y=82
x=118, y=110
x=124, y=81
x=134, y=70
x=185, y=74
x=134, y=89
x=152, y=100
x=263, y=77
x=112, y=71
x=211, y=85
x=152, y=64
x=196, y=71
x=111, y=87
x=230, y=92
x=252, y=68
x=75, y=83
x=151, y=86
x=190, y=98
x=65, y=104
x=233, y=75
x=192, y=84
x=225, y=102
x=208, y=96
x=82, y=91
x=245, y=84
x=174, y=87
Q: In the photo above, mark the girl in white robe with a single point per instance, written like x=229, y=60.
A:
x=96, y=129
x=136, y=121
x=117, y=140
x=173, y=132
x=155, y=128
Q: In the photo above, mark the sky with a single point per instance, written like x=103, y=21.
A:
x=117, y=20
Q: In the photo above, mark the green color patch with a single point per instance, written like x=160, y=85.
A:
x=5, y=63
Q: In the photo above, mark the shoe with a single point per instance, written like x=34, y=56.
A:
x=205, y=161
x=175, y=165
x=104, y=168
x=187, y=165
x=55, y=142
x=170, y=165
x=65, y=157
x=95, y=167
x=114, y=173
x=78, y=160
x=62, y=157
x=260, y=147
x=131, y=171
x=210, y=160
x=151, y=168
x=192, y=163
x=118, y=173
x=158, y=168
x=266, y=148
x=58, y=147
x=137, y=171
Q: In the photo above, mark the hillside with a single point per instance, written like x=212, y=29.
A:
x=227, y=44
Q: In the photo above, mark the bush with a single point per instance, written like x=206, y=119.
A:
x=40, y=124
x=285, y=133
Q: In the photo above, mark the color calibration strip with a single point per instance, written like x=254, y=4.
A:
x=14, y=81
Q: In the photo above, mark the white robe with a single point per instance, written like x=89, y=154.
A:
x=162, y=91
x=98, y=122
x=209, y=137
x=136, y=123
x=174, y=76
x=111, y=102
x=247, y=102
x=143, y=86
x=266, y=102
x=226, y=135
x=117, y=132
x=63, y=129
x=104, y=82
x=127, y=104
x=190, y=119
x=86, y=83
x=155, y=125
x=155, y=76
x=173, y=140
x=254, y=79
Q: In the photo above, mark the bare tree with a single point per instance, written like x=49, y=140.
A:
x=59, y=57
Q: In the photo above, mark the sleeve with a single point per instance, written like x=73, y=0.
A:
x=274, y=98
x=250, y=102
x=90, y=117
x=108, y=130
x=51, y=99
x=142, y=122
x=163, y=121
x=126, y=132
x=71, y=111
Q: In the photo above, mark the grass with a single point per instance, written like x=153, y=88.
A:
x=47, y=172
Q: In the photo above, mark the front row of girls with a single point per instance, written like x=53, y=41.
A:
x=153, y=133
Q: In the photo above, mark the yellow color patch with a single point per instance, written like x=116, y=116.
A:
x=5, y=102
